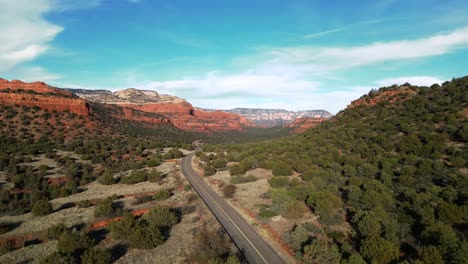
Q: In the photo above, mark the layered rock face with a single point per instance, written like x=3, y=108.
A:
x=302, y=124
x=180, y=112
x=276, y=117
x=41, y=95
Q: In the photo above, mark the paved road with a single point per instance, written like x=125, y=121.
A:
x=244, y=236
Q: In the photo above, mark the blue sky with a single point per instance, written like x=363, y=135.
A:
x=224, y=54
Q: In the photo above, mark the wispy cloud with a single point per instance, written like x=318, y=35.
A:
x=343, y=28
x=25, y=34
x=294, y=76
x=309, y=59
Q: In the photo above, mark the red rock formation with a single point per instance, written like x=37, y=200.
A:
x=48, y=102
x=36, y=87
x=302, y=124
x=132, y=114
x=184, y=116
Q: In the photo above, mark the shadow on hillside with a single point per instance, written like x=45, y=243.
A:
x=118, y=251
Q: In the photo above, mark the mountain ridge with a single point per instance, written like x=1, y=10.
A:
x=276, y=117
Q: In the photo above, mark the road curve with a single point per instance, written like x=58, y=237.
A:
x=244, y=236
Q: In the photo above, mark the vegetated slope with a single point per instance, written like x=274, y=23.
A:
x=392, y=165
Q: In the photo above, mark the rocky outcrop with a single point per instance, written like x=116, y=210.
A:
x=179, y=112
x=276, y=117
x=302, y=124
x=41, y=95
x=47, y=102
x=139, y=116
x=34, y=87
x=130, y=95
x=391, y=95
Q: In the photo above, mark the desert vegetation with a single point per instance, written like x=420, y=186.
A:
x=386, y=178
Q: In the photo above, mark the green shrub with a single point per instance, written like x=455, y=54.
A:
x=279, y=182
x=281, y=169
x=242, y=179
x=161, y=216
x=219, y=163
x=41, y=208
x=162, y=195
x=73, y=242
x=154, y=176
x=106, y=208
x=96, y=256
x=146, y=237
x=135, y=177
x=266, y=213
x=55, y=231
x=236, y=170
x=379, y=250
x=209, y=170
x=106, y=179
x=123, y=228
x=295, y=210
x=153, y=162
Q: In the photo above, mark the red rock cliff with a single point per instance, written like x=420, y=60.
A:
x=36, y=87
x=48, y=102
x=184, y=116
x=302, y=124
x=41, y=95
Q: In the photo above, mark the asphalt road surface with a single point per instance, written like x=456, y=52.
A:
x=255, y=249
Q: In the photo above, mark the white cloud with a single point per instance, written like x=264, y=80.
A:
x=414, y=80
x=24, y=33
x=343, y=28
x=261, y=91
x=320, y=60
x=294, y=77
x=246, y=84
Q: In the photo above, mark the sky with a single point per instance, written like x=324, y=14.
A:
x=291, y=54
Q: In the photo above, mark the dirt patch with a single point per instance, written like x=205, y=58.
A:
x=29, y=223
x=30, y=254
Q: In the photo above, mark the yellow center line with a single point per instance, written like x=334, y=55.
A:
x=232, y=221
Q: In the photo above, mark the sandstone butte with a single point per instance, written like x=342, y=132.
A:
x=302, y=124
x=180, y=113
x=184, y=116
x=41, y=95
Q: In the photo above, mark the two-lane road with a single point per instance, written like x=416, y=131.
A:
x=244, y=236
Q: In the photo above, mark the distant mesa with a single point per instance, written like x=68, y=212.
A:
x=180, y=112
x=277, y=117
x=152, y=107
